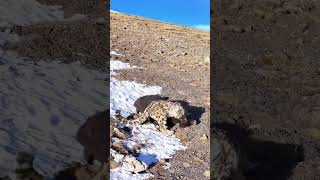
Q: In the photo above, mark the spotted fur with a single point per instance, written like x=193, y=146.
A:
x=160, y=111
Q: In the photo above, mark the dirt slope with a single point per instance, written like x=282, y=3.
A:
x=81, y=36
x=177, y=59
x=43, y=35
x=267, y=80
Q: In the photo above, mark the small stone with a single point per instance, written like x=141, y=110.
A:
x=116, y=156
x=207, y=60
x=200, y=63
x=101, y=21
x=237, y=29
x=249, y=28
x=299, y=42
x=204, y=137
x=197, y=159
x=207, y=173
x=133, y=165
x=259, y=13
x=113, y=165
x=186, y=165
x=194, y=84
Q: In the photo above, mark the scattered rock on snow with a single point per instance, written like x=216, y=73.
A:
x=131, y=164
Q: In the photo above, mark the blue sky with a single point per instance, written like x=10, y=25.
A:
x=192, y=13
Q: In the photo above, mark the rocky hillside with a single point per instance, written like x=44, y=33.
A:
x=146, y=40
x=177, y=59
x=267, y=85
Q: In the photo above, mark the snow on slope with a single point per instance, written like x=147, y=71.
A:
x=125, y=93
x=41, y=108
x=158, y=145
x=41, y=105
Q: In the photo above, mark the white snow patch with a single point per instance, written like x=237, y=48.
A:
x=125, y=93
x=115, y=53
x=121, y=174
x=159, y=146
x=41, y=109
x=118, y=65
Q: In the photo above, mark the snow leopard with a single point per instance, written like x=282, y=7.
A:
x=161, y=111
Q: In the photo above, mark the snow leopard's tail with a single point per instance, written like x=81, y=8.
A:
x=137, y=119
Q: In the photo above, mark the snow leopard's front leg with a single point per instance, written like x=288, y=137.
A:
x=161, y=118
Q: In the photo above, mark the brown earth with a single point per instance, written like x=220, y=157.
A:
x=177, y=59
x=181, y=52
x=266, y=85
x=94, y=8
x=81, y=38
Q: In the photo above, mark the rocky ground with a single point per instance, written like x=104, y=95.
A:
x=177, y=59
x=266, y=87
x=265, y=81
x=181, y=52
x=79, y=35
